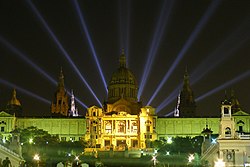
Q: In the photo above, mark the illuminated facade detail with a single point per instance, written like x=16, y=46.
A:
x=120, y=130
x=73, y=110
x=14, y=106
x=60, y=103
x=187, y=105
x=122, y=123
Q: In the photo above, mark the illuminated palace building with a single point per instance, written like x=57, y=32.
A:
x=123, y=123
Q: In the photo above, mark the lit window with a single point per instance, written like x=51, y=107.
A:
x=134, y=127
x=108, y=127
x=63, y=138
x=148, y=128
x=121, y=127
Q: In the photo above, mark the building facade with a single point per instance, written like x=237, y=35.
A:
x=123, y=122
x=67, y=129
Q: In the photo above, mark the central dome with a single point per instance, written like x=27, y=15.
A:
x=123, y=83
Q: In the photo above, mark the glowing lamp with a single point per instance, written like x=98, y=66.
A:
x=169, y=140
x=190, y=157
x=36, y=157
x=219, y=163
x=213, y=141
x=30, y=140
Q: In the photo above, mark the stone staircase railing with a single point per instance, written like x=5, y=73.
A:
x=209, y=151
x=9, y=151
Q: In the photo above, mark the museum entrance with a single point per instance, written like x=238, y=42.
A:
x=121, y=144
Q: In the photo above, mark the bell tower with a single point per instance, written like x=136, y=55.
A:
x=60, y=103
x=227, y=125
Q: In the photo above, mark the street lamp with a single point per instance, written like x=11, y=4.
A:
x=77, y=160
x=169, y=140
x=219, y=163
x=37, y=159
x=214, y=141
x=154, y=160
x=30, y=140
x=190, y=158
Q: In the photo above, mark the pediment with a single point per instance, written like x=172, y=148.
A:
x=94, y=107
x=122, y=101
x=240, y=113
x=5, y=114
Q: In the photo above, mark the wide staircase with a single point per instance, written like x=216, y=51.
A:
x=210, y=152
x=14, y=158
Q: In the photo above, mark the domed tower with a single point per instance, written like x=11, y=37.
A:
x=123, y=86
x=14, y=106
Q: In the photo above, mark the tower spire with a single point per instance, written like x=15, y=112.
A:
x=186, y=101
x=122, y=59
x=186, y=80
x=61, y=80
x=14, y=100
x=235, y=102
x=59, y=105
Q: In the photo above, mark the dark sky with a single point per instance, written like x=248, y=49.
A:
x=210, y=38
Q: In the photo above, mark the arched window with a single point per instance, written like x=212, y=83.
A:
x=108, y=127
x=134, y=127
x=121, y=127
x=226, y=110
x=227, y=132
x=240, y=125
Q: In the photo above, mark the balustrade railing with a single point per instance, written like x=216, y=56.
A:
x=9, y=151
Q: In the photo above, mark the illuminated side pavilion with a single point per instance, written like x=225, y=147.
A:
x=122, y=122
x=233, y=143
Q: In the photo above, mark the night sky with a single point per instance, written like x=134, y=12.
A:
x=210, y=38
